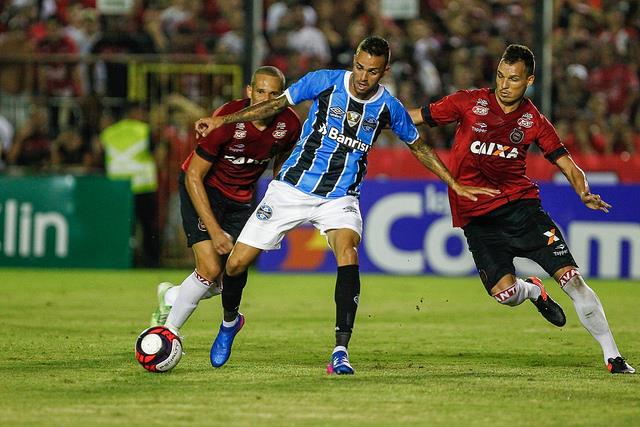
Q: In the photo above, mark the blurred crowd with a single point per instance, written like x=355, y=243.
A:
x=64, y=68
x=51, y=113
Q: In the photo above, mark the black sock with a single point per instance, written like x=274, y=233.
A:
x=346, y=298
x=232, y=287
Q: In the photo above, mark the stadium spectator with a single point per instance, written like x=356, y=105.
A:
x=616, y=80
x=494, y=131
x=16, y=77
x=60, y=80
x=175, y=15
x=69, y=154
x=172, y=127
x=32, y=146
x=306, y=39
x=6, y=139
x=277, y=14
x=129, y=154
x=327, y=196
x=343, y=55
x=116, y=40
x=217, y=185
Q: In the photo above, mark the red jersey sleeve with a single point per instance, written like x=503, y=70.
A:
x=446, y=110
x=549, y=141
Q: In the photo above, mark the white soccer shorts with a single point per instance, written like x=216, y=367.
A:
x=284, y=208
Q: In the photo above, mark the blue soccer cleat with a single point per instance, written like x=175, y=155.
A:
x=221, y=348
x=339, y=364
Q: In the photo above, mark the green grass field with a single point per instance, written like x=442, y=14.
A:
x=427, y=351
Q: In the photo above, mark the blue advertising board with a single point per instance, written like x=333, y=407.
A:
x=407, y=230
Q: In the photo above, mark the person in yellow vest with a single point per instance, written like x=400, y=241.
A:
x=129, y=155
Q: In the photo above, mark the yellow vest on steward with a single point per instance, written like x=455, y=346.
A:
x=128, y=154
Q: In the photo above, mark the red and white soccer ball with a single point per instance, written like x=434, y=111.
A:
x=158, y=349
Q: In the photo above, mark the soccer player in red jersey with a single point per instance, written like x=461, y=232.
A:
x=494, y=131
x=217, y=185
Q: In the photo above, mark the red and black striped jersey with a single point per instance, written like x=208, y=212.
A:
x=240, y=152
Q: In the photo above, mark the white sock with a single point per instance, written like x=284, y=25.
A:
x=192, y=289
x=340, y=348
x=230, y=324
x=171, y=295
x=517, y=293
x=590, y=312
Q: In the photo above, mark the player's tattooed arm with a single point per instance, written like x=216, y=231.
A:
x=430, y=159
x=258, y=111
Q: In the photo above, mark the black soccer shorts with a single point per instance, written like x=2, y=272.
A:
x=231, y=215
x=518, y=229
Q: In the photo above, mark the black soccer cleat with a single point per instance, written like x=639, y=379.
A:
x=619, y=366
x=549, y=309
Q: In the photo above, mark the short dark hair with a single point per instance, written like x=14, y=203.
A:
x=375, y=46
x=269, y=71
x=517, y=52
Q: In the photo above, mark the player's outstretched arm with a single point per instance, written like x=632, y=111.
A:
x=432, y=161
x=258, y=111
x=578, y=181
x=416, y=116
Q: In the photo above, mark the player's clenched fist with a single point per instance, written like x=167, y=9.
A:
x=205, y=125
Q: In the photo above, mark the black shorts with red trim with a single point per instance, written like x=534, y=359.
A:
x=518, y=229
x=231, y=215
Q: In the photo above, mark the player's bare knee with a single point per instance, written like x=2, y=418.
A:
x=347, y=256
x=235, y=266
x=209, y=272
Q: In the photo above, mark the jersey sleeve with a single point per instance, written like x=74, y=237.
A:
x=309, y=86
x=549, y=141
x=402, y=125
x=446, y=110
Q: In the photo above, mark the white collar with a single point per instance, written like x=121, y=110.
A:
x=375, y=97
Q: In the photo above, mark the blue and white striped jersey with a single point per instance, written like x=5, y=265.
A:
x=330, y=159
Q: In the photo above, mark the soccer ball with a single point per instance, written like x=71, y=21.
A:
x=158, y=349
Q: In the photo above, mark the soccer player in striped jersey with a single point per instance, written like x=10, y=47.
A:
x=494, y=131
x=321, y=180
